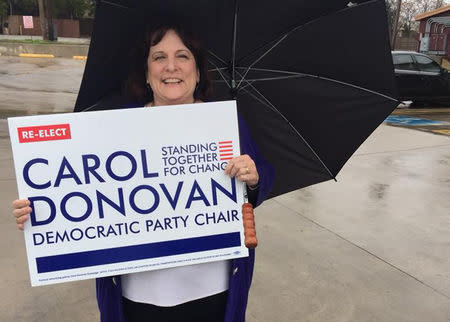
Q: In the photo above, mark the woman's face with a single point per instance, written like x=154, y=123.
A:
x=172, y=71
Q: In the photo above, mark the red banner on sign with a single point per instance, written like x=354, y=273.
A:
x=44, y=133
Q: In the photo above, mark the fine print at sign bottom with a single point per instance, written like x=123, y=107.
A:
x=149, y=196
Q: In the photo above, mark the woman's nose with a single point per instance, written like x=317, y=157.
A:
x=171, y=64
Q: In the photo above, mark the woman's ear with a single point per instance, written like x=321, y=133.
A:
x=198, y=76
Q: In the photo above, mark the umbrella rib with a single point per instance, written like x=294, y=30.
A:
x=216, y=69
x=272, y=71
x=217, y=57
x=296, y=74
x=114, y=4
x=90, y=107
x=356, y=87
x=273, y=108
x=249, y=82
x=274, y=78
x=253, y=80
x=259, y=58
x=221, y=74
x=233, y=51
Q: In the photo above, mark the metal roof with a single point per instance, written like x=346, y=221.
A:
x=432, y=13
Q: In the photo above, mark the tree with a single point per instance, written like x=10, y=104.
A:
x=390, y=10
x=439, y=4
x=3, y=9
x=23, y=7
x=47, y=9
x=72, y=9
x=67, y=9
x=395, y=23
x=408, y=10
x=46, y=18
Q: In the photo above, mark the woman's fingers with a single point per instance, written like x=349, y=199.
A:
x=244, y=169
x=21, y=212
x=244, y=172
x=21, y=220
x=235, y=167
x=235, y=164
x=229, y=166
x=239, y=168
x=20, y=203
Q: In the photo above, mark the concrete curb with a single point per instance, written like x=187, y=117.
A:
x=56, y=50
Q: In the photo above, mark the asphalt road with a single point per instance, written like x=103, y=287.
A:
x=372, y=247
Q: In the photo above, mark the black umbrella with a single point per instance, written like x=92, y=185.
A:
x=312, y=79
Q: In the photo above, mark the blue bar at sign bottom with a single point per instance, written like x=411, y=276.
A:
x=130, y=253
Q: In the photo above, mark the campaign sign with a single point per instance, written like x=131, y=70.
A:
x=128, y=190
x=28, y=22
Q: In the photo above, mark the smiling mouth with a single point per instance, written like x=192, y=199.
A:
x=172, y=81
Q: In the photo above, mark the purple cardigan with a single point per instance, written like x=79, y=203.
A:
x=109, y=289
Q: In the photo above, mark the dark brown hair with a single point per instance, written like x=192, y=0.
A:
x=135, y=86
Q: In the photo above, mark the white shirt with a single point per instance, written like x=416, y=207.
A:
x=173, y=286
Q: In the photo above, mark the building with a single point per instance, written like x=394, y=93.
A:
x=434, y=32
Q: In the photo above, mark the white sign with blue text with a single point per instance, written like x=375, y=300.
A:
x=128, y=190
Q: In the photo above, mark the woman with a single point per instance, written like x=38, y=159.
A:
x=171, y=68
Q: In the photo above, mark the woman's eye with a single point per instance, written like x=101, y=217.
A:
x=183, y=56
x=158, y=57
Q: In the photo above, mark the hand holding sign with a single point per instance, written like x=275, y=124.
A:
x=244, y=169
x=21, y=211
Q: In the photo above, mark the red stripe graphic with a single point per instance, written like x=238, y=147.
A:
x=224, y=147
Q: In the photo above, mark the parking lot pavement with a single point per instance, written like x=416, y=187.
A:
x=430, y=119
x=372, y=247
x=30, y=86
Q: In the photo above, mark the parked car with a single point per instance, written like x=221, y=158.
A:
x=420, y=79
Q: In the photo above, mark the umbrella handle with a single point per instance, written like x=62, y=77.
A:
x=248, y=219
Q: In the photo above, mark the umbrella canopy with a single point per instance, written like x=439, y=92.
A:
x=312, y=79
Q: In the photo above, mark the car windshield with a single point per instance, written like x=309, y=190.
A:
x=426, y=64
x=403, y=62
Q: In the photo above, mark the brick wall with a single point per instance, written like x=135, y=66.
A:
x=64, y=27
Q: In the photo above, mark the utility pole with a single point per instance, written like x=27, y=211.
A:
x=46, y=18
x=395, y=29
